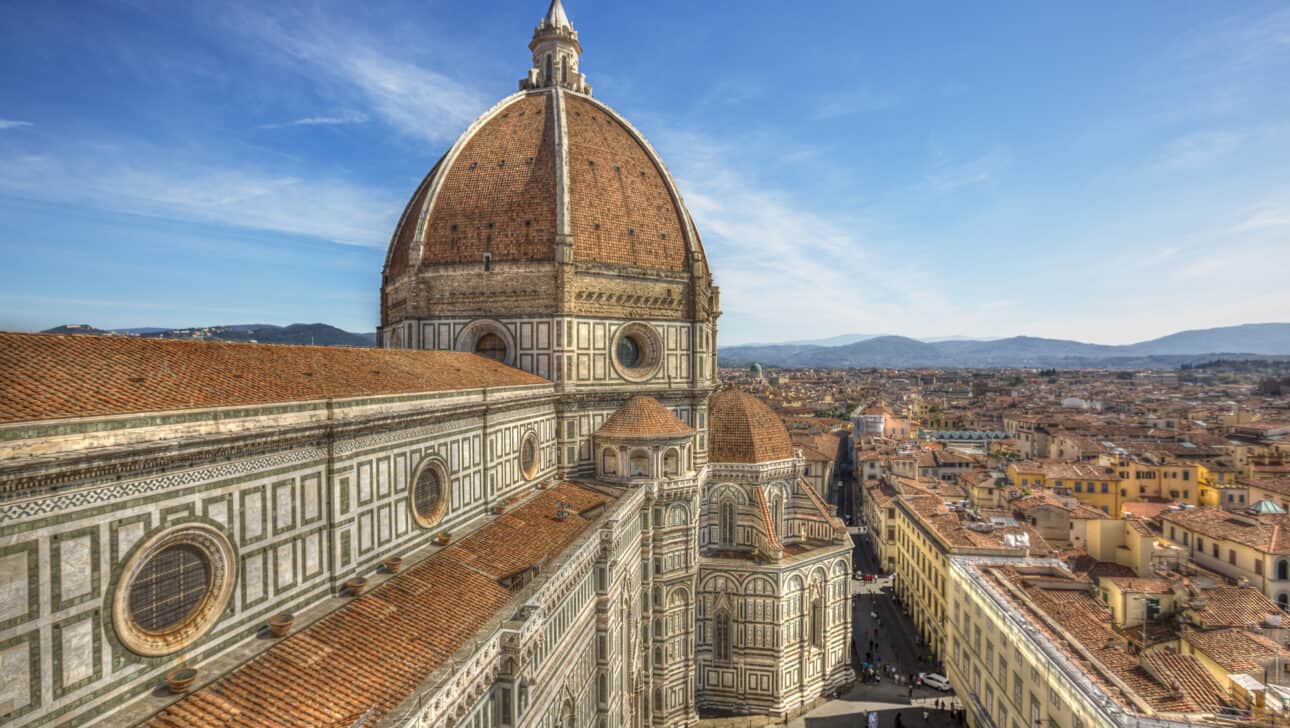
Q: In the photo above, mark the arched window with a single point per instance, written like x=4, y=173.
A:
x=564, y=70
x=491, y=346
x=567, y=715
x=671, y=463
x=609, y=461
x=1283, y=601
x=817, y=622
x=550, y=75
x=639, y=464
x=721, y=637
x=777, y=515
x=726, y=524
x=1283, y=570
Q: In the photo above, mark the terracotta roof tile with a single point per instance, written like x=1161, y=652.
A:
x=1235, y=649
x=743, y=429
x=49, y=376
x=1165, y=680
x=1269, y=533
x=643, y=416
x=376, y=650
x=1234, y=606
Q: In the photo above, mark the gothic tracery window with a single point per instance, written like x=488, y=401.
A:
x=817, y=622
x=721, y=637
x=726, y=524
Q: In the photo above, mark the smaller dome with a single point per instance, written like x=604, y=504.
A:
x=743, y=429
x=643, y=416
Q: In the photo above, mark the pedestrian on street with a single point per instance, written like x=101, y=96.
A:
x=900, y=723
x=925, y=716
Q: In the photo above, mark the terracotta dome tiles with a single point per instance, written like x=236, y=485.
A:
x=623, y=212
x=499, y=193
x=643, y=416
x=743, y=429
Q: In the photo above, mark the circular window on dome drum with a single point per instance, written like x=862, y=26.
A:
x=173, y=589
x=429, y=493
x=491, y=346
x=529, y=456
x=636, y=351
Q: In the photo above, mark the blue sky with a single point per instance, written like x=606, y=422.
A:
x=1100, y=171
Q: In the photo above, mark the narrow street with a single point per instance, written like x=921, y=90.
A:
x=897, y=644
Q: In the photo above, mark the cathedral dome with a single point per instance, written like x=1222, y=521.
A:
x=743, y=429
x=547, y=167
x=541, y=164
x=642, y=416
x=549, y=204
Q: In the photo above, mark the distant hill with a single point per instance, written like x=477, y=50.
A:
x=844, y=339
x=1186, y=347
x=306, y=334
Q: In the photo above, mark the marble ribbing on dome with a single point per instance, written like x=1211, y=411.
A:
x=623, y=212
x=500, y=188
x=499, y=194
x=743, y=429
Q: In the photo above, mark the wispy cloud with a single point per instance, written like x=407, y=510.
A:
x=147, y=181
x=854, y=101
x=948, y=176
x=1199, y=149
x=419, y=102
x=1263, y=217
x=13, y=124
x=341, y=119
x=786, y=270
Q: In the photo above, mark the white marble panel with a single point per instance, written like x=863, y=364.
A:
x=364, y=482
x=313, y=553
x=382, y=477
x=15, y=677
x=78, y=651
x=218, y=512
x=13, y=585
x=310, y=497
x=285, y=555
x=74, y=567
x=283, y=506
x=253, y=515
x=253, y=578
x=127, y=536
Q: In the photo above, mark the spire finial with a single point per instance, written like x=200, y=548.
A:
x=556, y=17
x=556, y=52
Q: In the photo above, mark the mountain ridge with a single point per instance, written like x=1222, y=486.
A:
x=299, y=334
x=1190, y=346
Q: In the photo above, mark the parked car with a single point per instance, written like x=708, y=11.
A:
x=933, y=680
